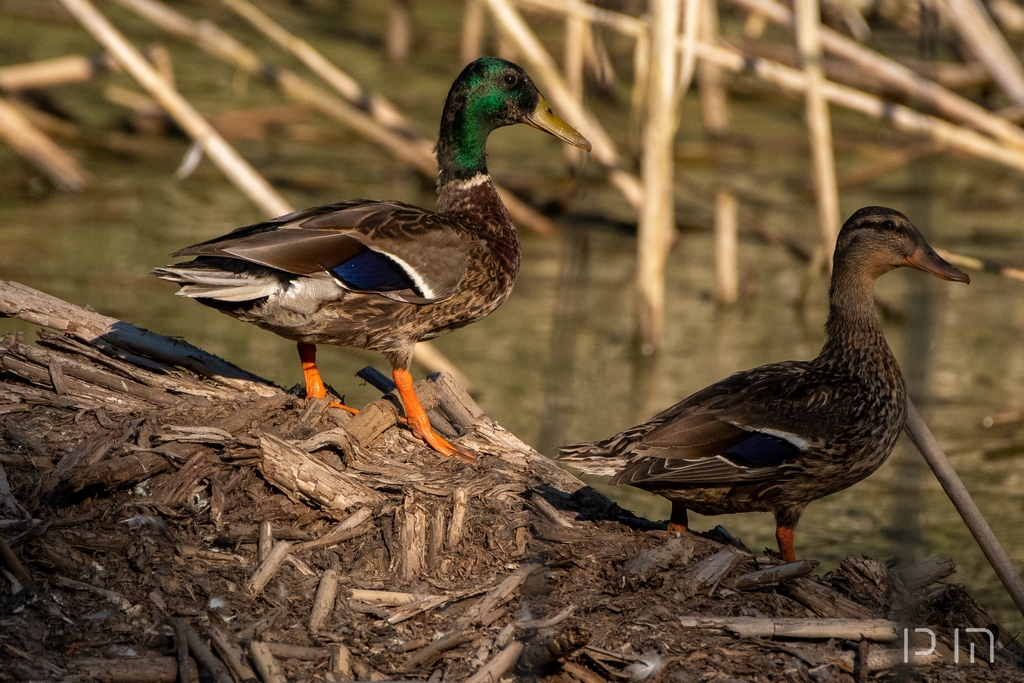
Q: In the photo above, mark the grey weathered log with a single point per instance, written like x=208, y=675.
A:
x=456, y=402
x=927, y=572
x=110, y=334
x=323, y=603
x=822, y=600
x=710, y=571
x=878, y=630
x=773, y=576
x=302, y=477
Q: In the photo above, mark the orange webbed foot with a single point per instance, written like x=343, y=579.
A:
x=416, y=419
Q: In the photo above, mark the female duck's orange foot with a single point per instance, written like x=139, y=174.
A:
x=315, y=387
x=784, y=537
x=342, y=406
x=417, y=419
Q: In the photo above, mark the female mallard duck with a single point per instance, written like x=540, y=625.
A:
x=774, y=438
x=383, y=275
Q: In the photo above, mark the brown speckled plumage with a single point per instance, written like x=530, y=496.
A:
x=776, y=437
x=383, y=275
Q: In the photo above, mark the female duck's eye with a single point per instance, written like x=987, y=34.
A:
x=510, y=79
x=889, y=225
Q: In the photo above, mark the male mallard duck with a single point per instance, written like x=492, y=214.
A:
x=383, y=275
x=774, y=438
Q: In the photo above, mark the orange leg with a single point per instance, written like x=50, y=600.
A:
x=678, y=521
x=784, y=537
x=314, y=383
x=417, y=419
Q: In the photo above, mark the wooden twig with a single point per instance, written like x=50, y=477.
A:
x=230, y=653
x=878, y=630
x=341, y=662
x=112, y=596
x=264, y=541
x=348, y=528
x=501, y=593
x=411, y=522
x=268, y=567
x=220, y=152
x=819, y=125
x=39, y=150
x=9, y=560
x=427, y=656
x=710, y=571
x=713, y=95
x=385, y=598
x=202, y=653
x=309, y=654
x=269, y=669
x=496, y=667
x=957, y=492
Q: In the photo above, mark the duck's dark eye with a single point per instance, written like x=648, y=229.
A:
x=889, y=225
x=510, y=79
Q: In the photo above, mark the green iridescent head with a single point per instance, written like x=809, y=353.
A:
x=488, y=94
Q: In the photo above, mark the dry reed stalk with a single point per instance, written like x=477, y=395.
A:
x=48, y=73
x=687, y=55
x=471, y=45
x=713, y=96
x=38, y=149
x=251, y=183
x=656, y=227
x=981, y=264
x=819, y=125
x=898, y=76
x=545, y=72
x=950, y=135
x=398, y=40
x=230, y=653
x=972, y=21
x=575, y=37
x=727, y=278
x=951, y=483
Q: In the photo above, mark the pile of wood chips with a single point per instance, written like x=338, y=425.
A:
x=161, y=526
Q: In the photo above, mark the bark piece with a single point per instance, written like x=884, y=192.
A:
x=302, y=477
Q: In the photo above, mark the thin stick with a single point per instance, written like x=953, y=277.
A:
x=264, y=541
x=656, y=227
x=976, y=27
x=494, y=669
x=39, y=150
x=881, y=630
x=957, y=492
x=268, y=567
x=237, y=169
x=727, y=278
x=269, y=669
x=819, y=125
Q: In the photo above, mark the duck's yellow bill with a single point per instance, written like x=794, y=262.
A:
x=927, y=260
x=543, y=118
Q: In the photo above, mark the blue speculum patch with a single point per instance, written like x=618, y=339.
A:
x=761, y=450
x=372, y=271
